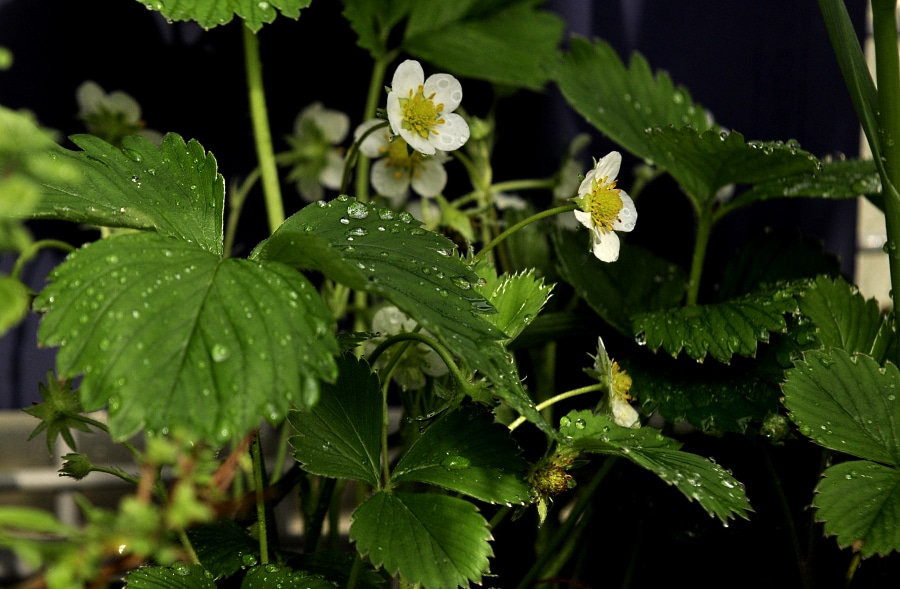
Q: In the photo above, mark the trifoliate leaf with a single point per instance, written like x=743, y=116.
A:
x=374, y=249
x=637, y=283
x=16, y=299
x=847, y=403
x=859, y=501
x=518, y=298
x=341, y=436
x=699, y=479
x=272, y=576
x=448, y=34
x=466, y=452
x=174, y=189
x=434, y=540
x=775, y=256
x=721, y=329
x=212, y=13
x=173, y=337
x=624, y=102
x=181, y=576
x=223, y=547
x=844, y=318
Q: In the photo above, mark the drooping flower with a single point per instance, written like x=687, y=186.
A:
x=111, y=116
x=417, y=361
x=316, y=162
x=396, y=169
x=421, y=111
x=618, y=383
x=605, y=208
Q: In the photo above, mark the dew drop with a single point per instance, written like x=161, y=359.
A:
x=357, y=210
x=219, y=353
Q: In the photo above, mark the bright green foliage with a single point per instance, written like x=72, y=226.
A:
x=702, y=163
x=374, y=249
x=223, y=547
x=849, y=403
x=844, y=318
x=341, y=436
x=699, y=479
x=272, y=576
x=636, y=283
x=172, y=337
x=175, y=189
x=59, y=412
x=624, y=102
x=518, y=298
x=466, y=452
x=721, y=329
x=435, y=540
x=181, y=576
x=212, y=13
x=16, y=300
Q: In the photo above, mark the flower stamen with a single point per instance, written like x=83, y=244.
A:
x=420, y=113
x=605, y=204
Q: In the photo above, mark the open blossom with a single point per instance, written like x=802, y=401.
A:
x=421, y=111
x=418, y=360
x=396, y=169
x=605, y=208
x=315, y=159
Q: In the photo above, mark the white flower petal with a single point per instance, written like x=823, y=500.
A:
x=446, y=89
x=376, y=143
x=90, y=96
x=584, y=219
x=453, y=134
x=419, y=143
x=623, y=413
x=409, y=75
x=627, y=216
x=430, y=178
x=395, y=112
x=388, y=182
x=432, y=365
x=332, y=174
x=334, y=125
x=390, y=320
x=605, y=246
x=504, y=201
x=608, y=166
x=309, y=188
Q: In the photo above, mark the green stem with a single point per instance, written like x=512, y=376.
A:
x=260, y=119
x=523, y=223
x=704, y=228
x=32, y=251
x=887, y=73
x=376, y=86
x=418, y=337
x=259, y=490
x=560, y=397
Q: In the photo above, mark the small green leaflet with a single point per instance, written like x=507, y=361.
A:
x=174, y=189
x=212, y=13
x=721, y=329
x=170, y=336
x=180, y=576
x=466, y=452
x=518, y=298
x=849, y=403
x=436, y=540
x=699, y=479
x=341, y=436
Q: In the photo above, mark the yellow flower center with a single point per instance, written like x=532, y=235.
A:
x=621, y=382
x=420, y=113
x=604, y=203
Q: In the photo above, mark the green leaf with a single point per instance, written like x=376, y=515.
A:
x=721, y=329
x=844, y=318
x=372, y=20
x=835, y=179
x=518, y=298
x=223, y=547
x=637, y=283
x=180, y=576
x=860, y=504
x=519, y=55
x=174, y=189
x=16, y=299
x=374, y=249
x=212, y=13
x=772, y=257
x=341, y=436
x=172, y=337
x=712, y=397
x=623, y=102
x=272, y=576
x=702, y=163
x=847, y=403
x=466, y=452
x=435, y=540
x=699, y=479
